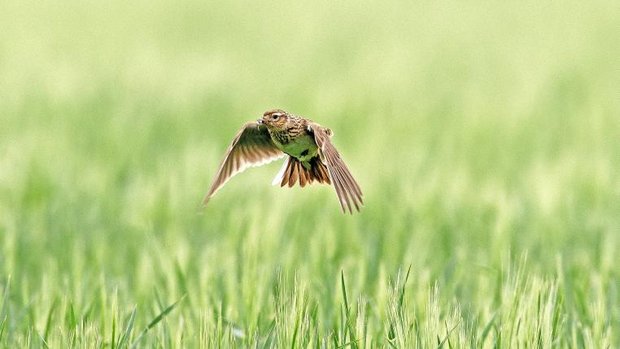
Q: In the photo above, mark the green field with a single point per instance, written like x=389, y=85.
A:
x=485, y=135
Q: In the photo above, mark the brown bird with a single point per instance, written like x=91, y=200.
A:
x=311, y=156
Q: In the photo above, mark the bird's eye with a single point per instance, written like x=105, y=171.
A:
x=275, y=116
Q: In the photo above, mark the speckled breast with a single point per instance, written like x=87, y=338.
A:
x=301, y=147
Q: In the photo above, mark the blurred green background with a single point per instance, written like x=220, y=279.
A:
x=485, y=136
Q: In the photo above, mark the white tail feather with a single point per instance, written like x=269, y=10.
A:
x=280, y=175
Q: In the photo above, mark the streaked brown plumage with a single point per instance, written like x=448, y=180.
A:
x=311, y=156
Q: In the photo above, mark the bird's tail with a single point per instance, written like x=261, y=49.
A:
x=294, y=170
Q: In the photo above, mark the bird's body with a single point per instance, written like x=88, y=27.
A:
x=312, y=157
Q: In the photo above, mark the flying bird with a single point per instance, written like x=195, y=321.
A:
x=311, y=156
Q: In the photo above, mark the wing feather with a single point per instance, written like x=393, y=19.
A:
x=348, y=191
x=252, y=146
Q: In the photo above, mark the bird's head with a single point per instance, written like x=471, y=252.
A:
x=275, y=119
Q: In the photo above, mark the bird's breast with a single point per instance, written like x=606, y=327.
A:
x=302, y=147
x=281, y=137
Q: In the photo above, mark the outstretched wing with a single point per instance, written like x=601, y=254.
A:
x=252, y=146
x=349, y=192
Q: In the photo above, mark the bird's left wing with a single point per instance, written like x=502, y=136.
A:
x=349, y=192
x=252, y=146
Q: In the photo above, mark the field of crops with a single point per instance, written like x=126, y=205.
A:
x=485, y=136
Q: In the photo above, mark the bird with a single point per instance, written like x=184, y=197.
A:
x=311, y=156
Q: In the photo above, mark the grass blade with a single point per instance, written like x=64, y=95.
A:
x=127, y=333
x=3, y=314
x=447, y=337
x=487, y=329
x=48, y=322
x=348, y=323
x=155, y=321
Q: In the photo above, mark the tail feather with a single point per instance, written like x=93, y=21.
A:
x=320, y=171
x=295, y=171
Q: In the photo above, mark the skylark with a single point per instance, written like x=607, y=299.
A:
x=311, y=156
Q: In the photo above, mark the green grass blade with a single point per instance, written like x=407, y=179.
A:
x=487, y=328
x=348, y=323
x=401, y=299
x=440, y=341
x=3, y=307
x=155, y=321
x=124, y=339
x=48, y=322
x=344, y=292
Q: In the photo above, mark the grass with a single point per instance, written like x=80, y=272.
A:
x=485, y=138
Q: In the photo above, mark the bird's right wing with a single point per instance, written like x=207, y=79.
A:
x=251, y=147
x=349, y=192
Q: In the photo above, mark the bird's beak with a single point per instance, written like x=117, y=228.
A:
x=259, y=121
